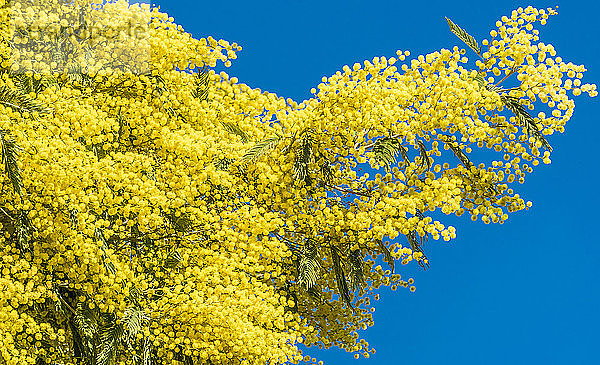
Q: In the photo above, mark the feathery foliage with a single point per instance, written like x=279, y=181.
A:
x=416, y=247
x=35, y=83
x=356, y=274
x=458, y=151
x=304, y=156
x=10, y=156
x=235, y=129
x=468, y=39
x=340, y=278
x=524, y=119
x=110, y=334
x=261, y=148
x=309, y=267
x=387, y=255
x=21, y=102
x=424, y=161
x=385, y=150
x=202, y=80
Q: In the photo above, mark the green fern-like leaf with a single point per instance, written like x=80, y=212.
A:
x=304, y=157
x=35, y=83
x=387, y=255
x=480, y=79
x=23, y=231
x=514, y=105
x=147, y=352
x=404, y=152
x=458, y=152
x=134, y=320
x=223, y=164
x=135, y=293
x=327, y=171
x=235, y=129
x=385, y=151
x=357, y=280
x=86, y=322
x=464, y=36
x=10, y=155
x=173, y=259
x=524, y=118
x=76, y=75
x=202, y=84
x=416, y=247
x=180, y=223
x=110, y=335
x=483, y=83
x=261, y=148
x=59, y=304
x=21, y=102
x=315, y=293
x=308, y=269
x=109, y=265
x=340, y=278
x=424, y=158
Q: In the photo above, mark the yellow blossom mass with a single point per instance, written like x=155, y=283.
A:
x=154, y=211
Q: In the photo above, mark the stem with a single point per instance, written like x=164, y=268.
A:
x=512, y=71
x=349, y=191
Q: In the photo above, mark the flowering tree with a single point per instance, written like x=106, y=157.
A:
x=153, y=211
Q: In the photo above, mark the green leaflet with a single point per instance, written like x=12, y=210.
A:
x=181, y=223
x=404, y=152
x=98, y=335
x=23, y=231
x=416, y=247
x=33, y=84
x=133, y=321
x=86, y=322
x=77, y=77
x=480, y=80
x=173, y=259
x=458, y=152
x=308, y=269
x=327, y=171
x=223, y=164
x=59, y=304
x=110, y=267
x=10, y=154
x=261, y=148
x=424, y=158
x=235, y=129
x=146, y=352
x=357, y=280
x=135, y=293
x=340, y=278
x=202, y=79
x=524, y=118
x=304, y=157
x=464, y=36
x=20, y=102
x=385, y=151
x=387, y=255
x=514, y=105
x=315, y=294
x=110, y=334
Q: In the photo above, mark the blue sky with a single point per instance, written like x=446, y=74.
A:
x=525, y=292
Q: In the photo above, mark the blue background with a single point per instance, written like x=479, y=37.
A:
x=525, y=292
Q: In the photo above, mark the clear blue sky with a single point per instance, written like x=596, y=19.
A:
x=525, y=292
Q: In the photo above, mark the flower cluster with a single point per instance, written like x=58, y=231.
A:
x=151, y=208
